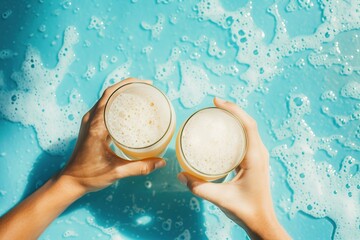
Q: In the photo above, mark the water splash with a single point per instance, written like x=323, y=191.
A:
x=262, y=58
x=318, y=189
x=118, y=74
x=156, y=28
x=34, y=103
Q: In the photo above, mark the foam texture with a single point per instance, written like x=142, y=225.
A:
x=119, y=73
x=263, y=58
x=156, y=28
x=135, y=120
x=212, y=141
x=34, y=103
x=318, y=188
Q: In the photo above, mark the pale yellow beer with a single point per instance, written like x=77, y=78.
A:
x=140, y=120
x=211, y=143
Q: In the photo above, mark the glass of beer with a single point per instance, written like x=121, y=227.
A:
x=211, y=143
x=140, y=120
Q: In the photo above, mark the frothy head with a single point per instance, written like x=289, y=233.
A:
x=137, y=115
x=213, y=141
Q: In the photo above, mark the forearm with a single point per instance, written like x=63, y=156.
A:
x=30, y=218
x=267, y=227
x=271, y=231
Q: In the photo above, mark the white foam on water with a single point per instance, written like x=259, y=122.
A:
x=87, y=43
x=333, y=56
x=295, y=5
x=156, y=28
x=166, y=225
x=214, y=50
x=217, y=90
x=220, y=69
x=213, y=141
x=195, y=55
x=118, y=74
x=148, y=184
x=109, y=198
x=33, y=102
x=98, y=25
x=103, y=65
x=165, y=70
x=164, y=1
x=7, y=53
x=341, y=120
x=200, y=42
x=173, y=19
x=42, y=28
x=185, y=235
x=6, y=14
x=147, y=50
x=113, y=59
x=194, y=84
x=194, y=204
x=135, y=120
x=70, y=233
x=318, y=188
x=263, y=58
x=113, y=231
x=90, y=72
x=329, y=95
x=218, y=225
x=66, y=4
x=143, y=220
x=300, y=63
x=351, y=90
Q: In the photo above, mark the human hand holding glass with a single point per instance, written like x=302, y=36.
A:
x=93, y=164
x=246, y=199
x=92, y=167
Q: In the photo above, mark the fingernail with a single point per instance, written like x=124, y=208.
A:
x=219, y=100
x=182, y=179
x=160, y=164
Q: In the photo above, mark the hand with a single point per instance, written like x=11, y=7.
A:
x=93, y=165
x=246, y=199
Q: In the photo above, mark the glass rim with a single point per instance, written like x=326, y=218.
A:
x=169, y=107
x=240, y=158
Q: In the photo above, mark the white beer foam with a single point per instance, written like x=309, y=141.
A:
x=212, y=141
x=135, y=120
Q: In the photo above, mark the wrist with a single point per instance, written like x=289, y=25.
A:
x=266, y=227
x=68, y=186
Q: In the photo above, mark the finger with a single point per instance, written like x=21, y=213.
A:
x=140, y=167
x=90, y=113
x=239, y=173
x=248, y=122
x=113, y=156
x=206, y=190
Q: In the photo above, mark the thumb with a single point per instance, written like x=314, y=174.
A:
x=206, y=190
x=139, y=167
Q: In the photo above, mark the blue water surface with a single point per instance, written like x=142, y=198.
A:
x=157, y=206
